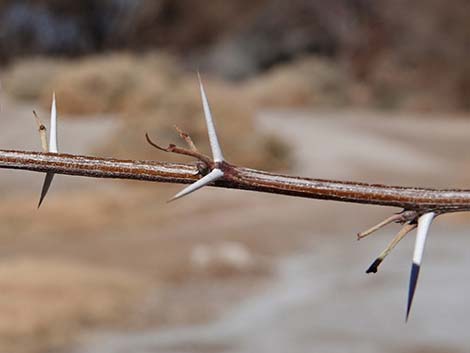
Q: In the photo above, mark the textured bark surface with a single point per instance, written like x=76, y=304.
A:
x=421, y=200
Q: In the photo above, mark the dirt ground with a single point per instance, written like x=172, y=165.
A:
x=112, y=256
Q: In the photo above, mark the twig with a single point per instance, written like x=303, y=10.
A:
x=180, y=150
x=395, y=218
x=187, y=139
x=42, y=130
x=401, y=234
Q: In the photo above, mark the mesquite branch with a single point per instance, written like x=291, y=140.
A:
x=419, y=205
x=421, y=200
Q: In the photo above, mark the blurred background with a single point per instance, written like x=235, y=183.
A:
x=361, y=90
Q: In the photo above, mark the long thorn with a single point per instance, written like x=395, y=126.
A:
x=424, y=223
x=207, y=179
x=53, y=133
x=214, y=141
x=382, y=224
x=52, y=149
x=400, y=235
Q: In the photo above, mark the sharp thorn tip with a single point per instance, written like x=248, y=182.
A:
x=214, y=175
x=414, y=275
x=45, y=187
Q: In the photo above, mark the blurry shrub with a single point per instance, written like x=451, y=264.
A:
x=107, y=84
x=426, y=40
x=101, y=84
x=309, y=81
x=27, y=79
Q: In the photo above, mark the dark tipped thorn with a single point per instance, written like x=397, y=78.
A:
x=412, y=287
x=45, y=187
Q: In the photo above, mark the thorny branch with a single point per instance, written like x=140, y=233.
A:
x=418, y=200
x=419, y=205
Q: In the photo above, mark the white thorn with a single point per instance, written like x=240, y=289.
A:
x=424, y=223
x=207, y=179
x=52, y=148
x=214, y=141
x=53, y=134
